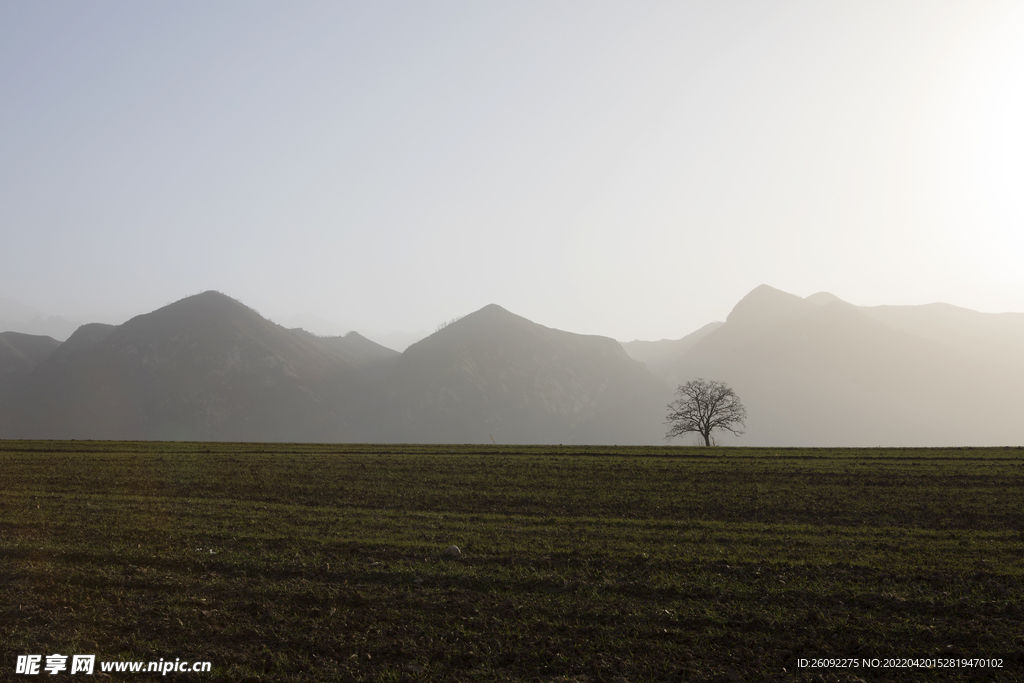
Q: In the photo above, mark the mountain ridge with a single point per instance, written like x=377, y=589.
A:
x=494, y=375
x=827, y=373
x=205, y=367
x=209, y=368
x=811, y=371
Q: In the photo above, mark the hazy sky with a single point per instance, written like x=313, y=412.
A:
x=622, y=168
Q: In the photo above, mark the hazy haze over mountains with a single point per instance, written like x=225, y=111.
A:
x=629, y=170
x=17, y=317
x=818, y=371
x=206, y=367
x=811, y=371
x=209, y=368
x=496, y=375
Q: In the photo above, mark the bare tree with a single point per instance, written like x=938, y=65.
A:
x=704, y=406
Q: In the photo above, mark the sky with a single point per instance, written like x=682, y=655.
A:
x=629, y=169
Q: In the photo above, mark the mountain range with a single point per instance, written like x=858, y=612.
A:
x=209, y=368
x=811, y=371
x=819, y=371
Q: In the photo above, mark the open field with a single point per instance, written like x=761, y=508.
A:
x=285, y=562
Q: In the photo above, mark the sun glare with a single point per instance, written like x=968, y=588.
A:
x=977, y=144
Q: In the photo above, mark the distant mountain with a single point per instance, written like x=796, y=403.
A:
x=203, y=368
x=19, y=355
x=27, y=350
x=819, y=371
x=661, y=355
x=353, y=347
x=974, y=333
x=49, y=326
x=209, y=368
x=495, y=375
x=399, y=341
x=16, y=317
x=759, y=312
x=11, y=310
x=311, y=322
x=810, y=371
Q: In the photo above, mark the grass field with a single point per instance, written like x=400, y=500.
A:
x=284, y=562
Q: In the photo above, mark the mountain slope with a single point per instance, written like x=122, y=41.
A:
x=25, y=349
x=758, y=313
x=209, y=368
x=661, y=355
x=496, y=375
x=19, y=355
x=205, y=367
x=814, y=371
x=353, y=347
x=823, y=372
x=978, y=334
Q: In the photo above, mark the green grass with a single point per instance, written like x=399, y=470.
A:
x=285, y=562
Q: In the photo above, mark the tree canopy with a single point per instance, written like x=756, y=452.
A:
x=705, y=406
